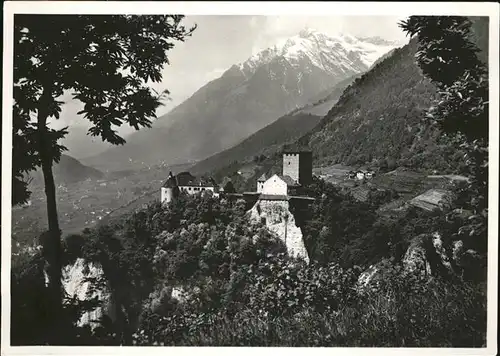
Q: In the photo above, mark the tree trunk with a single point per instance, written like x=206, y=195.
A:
x=52, y=243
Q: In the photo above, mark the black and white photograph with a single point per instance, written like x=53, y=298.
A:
x=249, y=174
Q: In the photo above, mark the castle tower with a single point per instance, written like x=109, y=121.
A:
x=297, y=164
x=169, y=190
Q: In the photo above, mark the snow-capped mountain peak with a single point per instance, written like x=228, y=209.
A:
x=340, y=53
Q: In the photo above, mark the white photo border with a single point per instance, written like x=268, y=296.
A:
x=277, y=8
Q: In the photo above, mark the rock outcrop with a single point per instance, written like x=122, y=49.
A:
x=428, y=253
x=367, y=277
x=428, y=256
x=78, y=282
x=276, y=215
x=415, y=259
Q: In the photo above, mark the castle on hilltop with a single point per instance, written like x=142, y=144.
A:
x=296, y=173
x=273, y=202
x=186, y=182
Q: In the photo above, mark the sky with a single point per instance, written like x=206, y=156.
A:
x=221, y=41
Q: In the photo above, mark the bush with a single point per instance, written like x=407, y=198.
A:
x=297, y=305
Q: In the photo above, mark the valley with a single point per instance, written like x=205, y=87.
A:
x=85, y=203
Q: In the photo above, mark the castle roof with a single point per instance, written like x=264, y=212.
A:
x=262, y=178
x=197, y=182
x=186, y=179
x=289, y=180
x=296, y=148
x=171, y=181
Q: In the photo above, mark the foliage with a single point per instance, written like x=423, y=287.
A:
x=191, y=242
x=242, y=289
x=333, y=221
x=229, y=187
x=297, y=305
x=116, y=56
x=449, y=58
x=31, y=306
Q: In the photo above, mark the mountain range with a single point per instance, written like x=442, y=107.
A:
x=246, y=98
x=376, y=121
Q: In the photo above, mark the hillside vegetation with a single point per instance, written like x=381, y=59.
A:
x=379, y=117
x=377, y=120
x=241, y=289
x=286, y=129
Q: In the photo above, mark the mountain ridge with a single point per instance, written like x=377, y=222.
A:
x=284, y=130
x=227, y=110
x=68, y=170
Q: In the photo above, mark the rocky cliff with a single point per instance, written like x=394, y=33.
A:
x=81, y=281
x=428, y=256
x=277, y=217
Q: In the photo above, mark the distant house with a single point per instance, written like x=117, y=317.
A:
x=369, y=175
x=360, y=175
